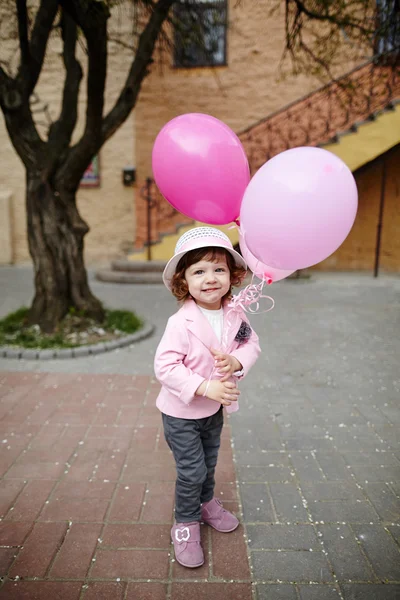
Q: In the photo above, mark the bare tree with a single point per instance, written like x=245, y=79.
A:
x=54, y=165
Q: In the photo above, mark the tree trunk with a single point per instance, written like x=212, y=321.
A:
x=55, y=237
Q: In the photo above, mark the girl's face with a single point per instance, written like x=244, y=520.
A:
x=208, y=282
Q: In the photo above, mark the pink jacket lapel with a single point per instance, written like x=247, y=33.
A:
x=232, y=321
x=198, y=324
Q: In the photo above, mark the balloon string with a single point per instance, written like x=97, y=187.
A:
x=243, y=301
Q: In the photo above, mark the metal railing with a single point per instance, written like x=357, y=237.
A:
x=321, y=116
x=160, y=215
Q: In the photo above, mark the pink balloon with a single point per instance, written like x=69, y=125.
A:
x=264, y=272
x=201, y=168
x=298, y=208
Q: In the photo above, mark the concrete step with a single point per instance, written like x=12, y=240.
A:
x=110, y=276
x=138, y=266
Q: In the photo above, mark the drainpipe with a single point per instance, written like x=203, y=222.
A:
x=380, y=219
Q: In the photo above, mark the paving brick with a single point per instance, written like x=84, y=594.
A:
x=30, y=467
x=7, y=556
x=145, y=591
x=84, y=489
x=40, y=590
x=371, y=592
x=284, y=537
x=318, y=592
x=229, y=552
x=225, y=470
x=306, y=466
x=217, y=591
x=333, y=466
x=13, y=534
x=385, y=502
x=256, y=503
x=306, y=442
x=267, y=459
x=84, y=465
x=31, y=500
x=9, y=491
x=226, y=491
x=110, y=465
x=136, y=536
x=262, y=474
x=75, y=509
x=159, y=500
x=275, y=591
x=395, y=531
x=128, y=415
x=38, y=550
x=330, y=491
x=344, y=554
x=75, y=555
x=135, y=564
x=288, y=502
x=376, y=473
x=100, y=590
x=299, y=566
x=127, y=503
x=8, y=457
x=382, y=551
x=149, y=473
x=370, y=458
x=331, y=512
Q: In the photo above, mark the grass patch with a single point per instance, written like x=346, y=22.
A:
x=75, y=329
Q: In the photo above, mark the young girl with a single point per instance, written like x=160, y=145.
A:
x=206, y=347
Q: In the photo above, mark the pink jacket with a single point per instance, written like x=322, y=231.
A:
x=183, y=359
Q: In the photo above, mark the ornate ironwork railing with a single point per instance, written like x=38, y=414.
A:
x=160, y=217
x=319, y=117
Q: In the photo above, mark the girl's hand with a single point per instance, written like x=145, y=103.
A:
x=223, y=392
x=226, y=364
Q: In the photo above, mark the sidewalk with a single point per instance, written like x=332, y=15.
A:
x=87, y=487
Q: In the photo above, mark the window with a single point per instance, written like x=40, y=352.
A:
x=388, y=26
x=200, y=33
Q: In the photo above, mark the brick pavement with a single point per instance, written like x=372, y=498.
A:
x=86, y=496
x=316, y=454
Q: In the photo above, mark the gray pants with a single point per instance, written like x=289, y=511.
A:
x=194, y=444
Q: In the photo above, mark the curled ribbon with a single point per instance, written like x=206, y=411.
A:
x=251, y=294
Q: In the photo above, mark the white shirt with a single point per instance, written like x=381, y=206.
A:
x=216, y=320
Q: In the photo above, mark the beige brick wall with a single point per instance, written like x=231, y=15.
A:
x=242, y=93
x=108, y=210
x=359, y=249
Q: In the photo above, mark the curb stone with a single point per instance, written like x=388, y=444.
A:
x=78, y=351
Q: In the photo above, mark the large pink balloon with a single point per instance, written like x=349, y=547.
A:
x=201, y=168
x=298, y=208
x=263, y=272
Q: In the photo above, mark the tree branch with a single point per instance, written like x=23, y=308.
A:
x=339, y=22
x=138, y=71
x=23, y=31
x=28, y=73
x=61, y=131
x=92, y=19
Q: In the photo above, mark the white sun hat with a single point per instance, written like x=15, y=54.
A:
x=199, y=237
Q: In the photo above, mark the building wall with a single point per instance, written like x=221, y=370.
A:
x=109, y=209
x=358, y=251
x=248, y=89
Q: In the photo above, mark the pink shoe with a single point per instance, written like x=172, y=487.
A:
x=187, y=546
x=214, y=514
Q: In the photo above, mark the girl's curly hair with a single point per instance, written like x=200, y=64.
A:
x=179, y=286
